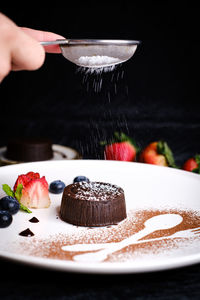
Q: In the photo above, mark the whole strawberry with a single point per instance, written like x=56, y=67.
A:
x=158, y=153
x=192, y=164
x=121, y=148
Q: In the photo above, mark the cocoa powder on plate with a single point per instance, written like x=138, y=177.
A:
x=51, y=247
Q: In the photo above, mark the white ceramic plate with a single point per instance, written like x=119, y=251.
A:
x=60, y=152
x=149, y=190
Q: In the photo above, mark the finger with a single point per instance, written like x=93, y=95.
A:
x=18, y=50
x=5, y=56
x=26, y=53
x=44, y=36
x=5, y=65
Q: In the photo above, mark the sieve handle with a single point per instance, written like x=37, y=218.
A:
x=57, y=42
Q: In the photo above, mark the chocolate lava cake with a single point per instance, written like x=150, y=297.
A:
x=27, y=150
x=93, y=204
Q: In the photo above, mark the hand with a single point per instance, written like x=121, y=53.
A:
x=20, y=48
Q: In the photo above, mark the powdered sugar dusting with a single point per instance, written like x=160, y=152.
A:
x=97, y=61
x=96, y=191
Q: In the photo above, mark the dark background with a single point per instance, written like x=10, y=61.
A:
x=157, y=98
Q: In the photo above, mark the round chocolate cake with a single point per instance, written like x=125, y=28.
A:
x=27, y=150
x=93, y=204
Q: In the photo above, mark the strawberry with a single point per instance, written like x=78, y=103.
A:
x=158, y=153
x=121, y=148
x=35, y=190
x=21, y=179
x=25, y=178
x=33, y=175
x=35, y=193
x=192, y=164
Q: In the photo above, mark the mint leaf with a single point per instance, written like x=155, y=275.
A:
x=7, y=189
x=25, y=208
x=18, y=192
x=164, y=149
x=197, y=159
x=18, y=195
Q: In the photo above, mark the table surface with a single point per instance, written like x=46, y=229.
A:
x=19, y=281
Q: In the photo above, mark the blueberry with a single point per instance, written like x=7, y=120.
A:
x=5, y=218
x=56, y=187
x=10, y=204
x=81, y=178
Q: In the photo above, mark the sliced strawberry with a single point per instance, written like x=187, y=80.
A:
x=25, y=198
x=35, y=193
x=25, y=178
x=33, y=175
x=22, y=179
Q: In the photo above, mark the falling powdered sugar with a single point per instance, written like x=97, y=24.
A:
x=95, y=74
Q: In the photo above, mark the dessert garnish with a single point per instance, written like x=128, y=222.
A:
x=10, y=204
x=34, y=220
x=30, y=190
x=27, y=233
x=81, y=178
x=56, y=187
x=5, y=218
x=35, y=192
x=16, y=194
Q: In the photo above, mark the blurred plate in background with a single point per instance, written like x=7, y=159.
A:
x=59, y=153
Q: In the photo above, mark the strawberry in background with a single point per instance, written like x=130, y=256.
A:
x=121, y=148
x=158, y=153
x=192, y=164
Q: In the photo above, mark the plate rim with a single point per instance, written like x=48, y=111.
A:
x=100, y=161
x=105, y=268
